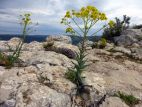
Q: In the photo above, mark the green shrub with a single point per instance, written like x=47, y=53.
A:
x=103, y=43
x=130, y=100
x=117, y=29
x=100, y=44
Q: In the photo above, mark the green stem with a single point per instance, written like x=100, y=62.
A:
x=19, y=46
x=22, y=42
x=77, y=25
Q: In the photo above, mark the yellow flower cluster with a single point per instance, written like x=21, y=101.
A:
x=68, y=15
x=26, y=19
x=88, y=16
x=103, y=16
x=87, y=12
x=69, y=30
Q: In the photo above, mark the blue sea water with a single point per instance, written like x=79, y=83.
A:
x=41, y=38
x=29, y=38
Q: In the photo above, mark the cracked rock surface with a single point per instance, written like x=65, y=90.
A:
x=107, y=73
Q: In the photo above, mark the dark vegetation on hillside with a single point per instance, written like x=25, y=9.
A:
x=137, y=26
x=119, y=26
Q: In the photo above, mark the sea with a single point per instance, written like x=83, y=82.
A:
x=42, y=38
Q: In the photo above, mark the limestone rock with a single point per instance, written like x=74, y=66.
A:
x=122, y=49
x=63, y=48
x=33, y=46
x=99, y=52
x=114, y=76
x=109, y=46
x=92, y=58
x=42, y=83
x=3, y=46
x=95, y=80
x=136, y=53
x=135, y=45
x=129, y=37
x=88, y=43
x=2, y=70
x=60, y=38
x=41, y=96
x=14, y=41
x=113, y=102
x=55, y=75
x=22, y=84
x=45, y=57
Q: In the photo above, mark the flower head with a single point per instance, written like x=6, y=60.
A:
x=26, y=19
x=69, y=30
x=111, y=23
x=88, y=16
x=68, y=15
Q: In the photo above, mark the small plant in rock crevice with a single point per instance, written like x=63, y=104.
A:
x=9, y=60
x=130, y=100
x=103, y=43
x=75, y=74
x=100, y=44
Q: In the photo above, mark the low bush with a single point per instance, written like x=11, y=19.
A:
x=119, y=26
x=100, y=44
x=103, y=43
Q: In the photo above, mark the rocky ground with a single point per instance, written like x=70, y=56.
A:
x=40, y=79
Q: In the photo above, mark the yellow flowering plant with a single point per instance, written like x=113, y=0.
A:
x=84, y=20
x=86, y=16
x=9, y=60
x=26, y=21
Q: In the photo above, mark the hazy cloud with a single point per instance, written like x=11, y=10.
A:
x=49, y=12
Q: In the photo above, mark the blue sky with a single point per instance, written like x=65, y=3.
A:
x=49, y=12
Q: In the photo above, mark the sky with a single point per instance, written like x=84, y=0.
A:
x=48, y=13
